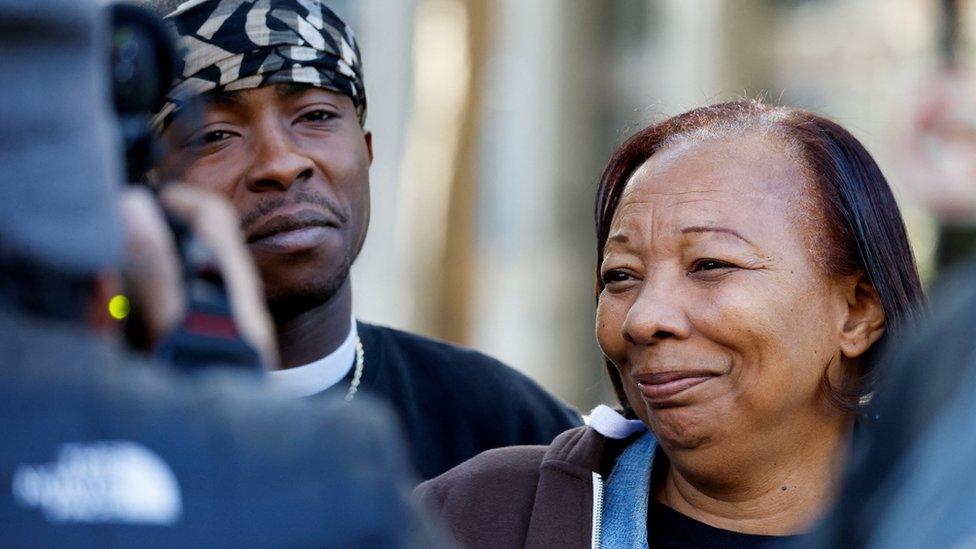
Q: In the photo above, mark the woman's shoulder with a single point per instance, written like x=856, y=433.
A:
x=506, y=472
x=499, y=470
x=489, y=500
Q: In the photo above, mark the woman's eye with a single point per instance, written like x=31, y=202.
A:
x=610, y=277
x=709, y=265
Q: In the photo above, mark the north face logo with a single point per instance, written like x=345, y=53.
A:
x=101, y=482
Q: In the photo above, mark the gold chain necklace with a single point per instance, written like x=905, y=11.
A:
x=358, y=375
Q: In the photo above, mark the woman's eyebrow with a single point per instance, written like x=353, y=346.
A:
x=714, y=229
x=621, y=238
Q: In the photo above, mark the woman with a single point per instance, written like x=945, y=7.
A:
x=751, y=260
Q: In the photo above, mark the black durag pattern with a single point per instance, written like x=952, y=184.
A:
x=229, y=45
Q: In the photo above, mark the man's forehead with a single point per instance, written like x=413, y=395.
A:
x=282, y=92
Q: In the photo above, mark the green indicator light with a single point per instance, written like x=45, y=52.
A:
x=119, y=307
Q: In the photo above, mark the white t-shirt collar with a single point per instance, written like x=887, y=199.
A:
x=315, y=377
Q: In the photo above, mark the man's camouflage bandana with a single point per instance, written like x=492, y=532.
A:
x=229, y=45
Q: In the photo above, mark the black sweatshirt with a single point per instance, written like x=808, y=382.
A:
x=455, y=403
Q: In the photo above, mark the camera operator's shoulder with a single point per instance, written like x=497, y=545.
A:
x=232, y=421
x=242, y=412
x=97, y=389
x=344, y=430
x=219, y=440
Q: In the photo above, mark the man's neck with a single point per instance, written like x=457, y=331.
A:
x=316, y=332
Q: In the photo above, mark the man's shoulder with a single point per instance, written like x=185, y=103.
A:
x=429, y=348
x=441, y=361
x=453, y=370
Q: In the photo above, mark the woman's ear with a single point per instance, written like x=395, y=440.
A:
x=865, y=321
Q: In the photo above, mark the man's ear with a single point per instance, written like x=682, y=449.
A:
x=368, y=138
x=865, y=321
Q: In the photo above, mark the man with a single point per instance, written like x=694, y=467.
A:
x=99, y=448
x=279, y=85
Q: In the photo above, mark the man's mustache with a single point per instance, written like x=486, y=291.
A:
x=303, y=197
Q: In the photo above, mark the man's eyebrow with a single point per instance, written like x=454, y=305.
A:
x=194, y=110
x=713, y=229
x=286, y=90
x=291, y=90
x=223, y=99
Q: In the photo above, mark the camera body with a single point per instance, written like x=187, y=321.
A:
x=142, y=64
x=142, y=61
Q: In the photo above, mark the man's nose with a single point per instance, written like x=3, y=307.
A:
x=277, y=160
x=657, y=314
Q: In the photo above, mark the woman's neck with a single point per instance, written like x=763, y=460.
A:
x=767, y=496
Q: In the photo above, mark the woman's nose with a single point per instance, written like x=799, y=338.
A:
x=657, y=314
x=277, y=160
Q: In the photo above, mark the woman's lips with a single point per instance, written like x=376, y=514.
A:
x=658, y=388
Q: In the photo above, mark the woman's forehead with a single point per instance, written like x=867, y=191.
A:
x=751, y=165
x=748, y=184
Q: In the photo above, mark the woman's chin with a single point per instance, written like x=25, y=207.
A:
x=682, y=428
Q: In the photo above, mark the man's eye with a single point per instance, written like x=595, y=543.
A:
x=209, y=138
x=709, y=265
x=319, y=115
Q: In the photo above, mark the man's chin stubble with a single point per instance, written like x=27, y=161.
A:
x=315, y=294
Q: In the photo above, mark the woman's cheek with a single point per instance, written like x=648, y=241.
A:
x=747, y=305
x=610, y=314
